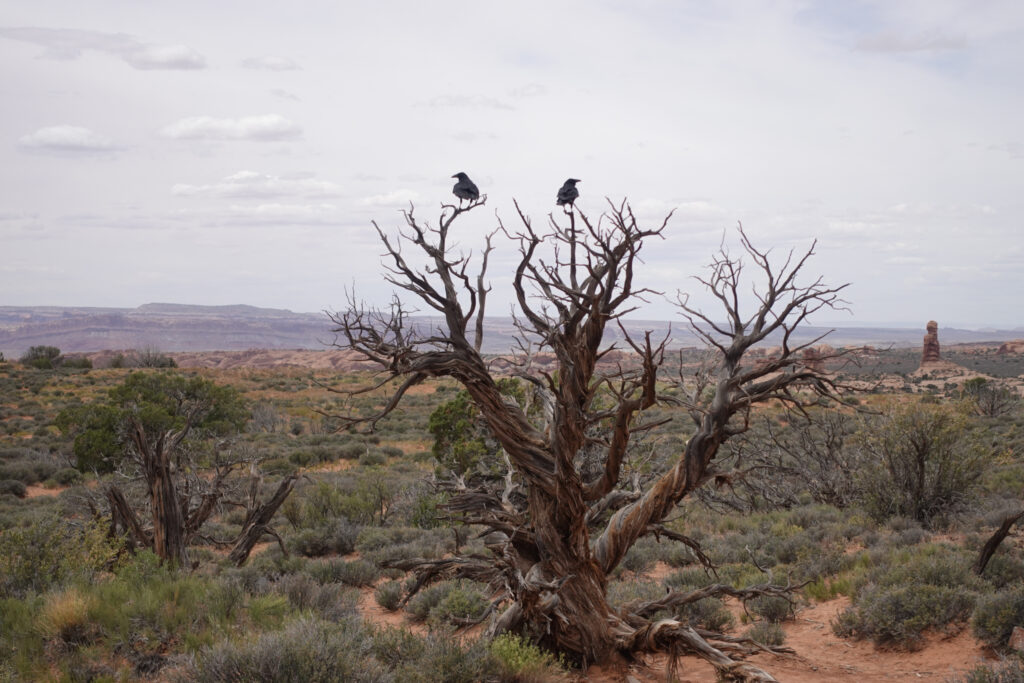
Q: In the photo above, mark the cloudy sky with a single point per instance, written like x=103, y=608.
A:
x=236, y=152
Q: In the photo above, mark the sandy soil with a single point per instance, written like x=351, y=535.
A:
x=821, y=656
x=36, y=491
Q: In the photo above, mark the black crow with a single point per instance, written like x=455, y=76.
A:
x=568, y=193
x=465, y=188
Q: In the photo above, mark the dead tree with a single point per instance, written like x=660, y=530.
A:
x=994, y=541
x=572, y=280
x=257, y=519
x=179, y=502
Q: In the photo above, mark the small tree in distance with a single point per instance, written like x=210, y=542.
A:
x=41, y=357
x=553, y=544
x=154, y=427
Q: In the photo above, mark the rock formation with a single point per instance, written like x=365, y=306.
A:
x=813, y=359
x=930, y=350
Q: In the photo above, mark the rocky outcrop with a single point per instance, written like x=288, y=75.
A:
x=930, y=352
x=1011, y=347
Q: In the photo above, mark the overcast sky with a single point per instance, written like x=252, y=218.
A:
x=236, y=152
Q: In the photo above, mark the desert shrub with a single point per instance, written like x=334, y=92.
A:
x=921, y=461
x=278, y=466
x=76, y=363
x=909, y=591
x=521, y=660
x=67, y=476
x=424, y=512
x=41, y=357
x=13, y=487
x=395, y=646
x=767, y=633
x=623, y=592
x=356, y=573
x=48, y=552
x=899, y=615
x=1010, y=670
x=687, y=579
x=447, y=659
x=709, y=613
x=305, y=650
x=447, y=601
x=388, y=595
x=65, y=616
x=30, y=470
x=352, y=451
x=641, y=557
x=772, y=608
x=375, y=538
x=331, y=601
x=372, y=458
x=995, y=616
x=337, y=537
x=1003, y=570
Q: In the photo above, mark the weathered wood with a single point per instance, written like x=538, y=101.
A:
x=570, y=283
x=994, y=541
x=257, y=522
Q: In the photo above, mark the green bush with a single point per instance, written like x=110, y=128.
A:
x=356, y=573
x=67, y=476
x=331, y=601
x=41, y=357
x=372, y=458
x=396, y=646
x=388, y=595
x=922, y=461
x=995, y=616
x=447, y=601
x=446, y=659
x=900, y=615
x=338, y=538
x=1007, y=671
x=709, y=613
x=305, y=650
x=49, y=552
x=772, y=608
x=13, y=487
x=521, y=660
x=767, y=633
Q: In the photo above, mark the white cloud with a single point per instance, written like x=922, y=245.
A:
x=152, y=57
x=270, y=63
x=268, y=127
x=280, y=213
x=69, y=139
x=396, y=198
x=260, y=185
x=67, y=44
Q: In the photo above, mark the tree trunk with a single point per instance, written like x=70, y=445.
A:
x=121, y=514
x=168, y=518
x=258, y=523
x=993, y=543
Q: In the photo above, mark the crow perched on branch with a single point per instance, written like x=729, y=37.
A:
x=568, y=192
x=465, y=188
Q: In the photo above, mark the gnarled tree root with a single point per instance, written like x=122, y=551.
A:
x=674, y=637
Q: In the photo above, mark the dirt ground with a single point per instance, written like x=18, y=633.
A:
x=821, y=656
